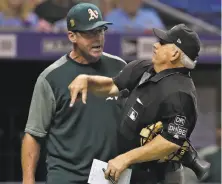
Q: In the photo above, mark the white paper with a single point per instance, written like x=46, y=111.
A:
x=96, y=175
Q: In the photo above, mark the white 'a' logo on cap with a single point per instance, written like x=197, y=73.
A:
x=93, y=14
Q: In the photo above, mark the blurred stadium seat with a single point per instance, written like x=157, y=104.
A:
x=208, y=10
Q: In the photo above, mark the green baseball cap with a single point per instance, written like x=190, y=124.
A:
x=84, y=17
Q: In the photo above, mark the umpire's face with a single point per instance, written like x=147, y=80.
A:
x=90, y=44
x=164, y=53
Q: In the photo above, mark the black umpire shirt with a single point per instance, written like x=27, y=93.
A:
x=168, y=96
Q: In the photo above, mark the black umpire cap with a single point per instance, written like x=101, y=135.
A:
x=183, y=37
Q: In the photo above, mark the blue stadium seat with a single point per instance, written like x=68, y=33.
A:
x=207, y=10
x=216, y=6
x=204, y=6
x=195, y=6
x=180, y=4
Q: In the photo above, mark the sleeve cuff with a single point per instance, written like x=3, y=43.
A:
x=115, y=80
x=35, y=133
x=170, y=138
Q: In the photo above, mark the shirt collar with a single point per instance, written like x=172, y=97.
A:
x=165, y=73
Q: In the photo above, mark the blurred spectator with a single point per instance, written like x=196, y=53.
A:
x=96, y=2
x=17, y=14
x=131, y=17
x=51, y=11
x=36, y=2
x=108, y=5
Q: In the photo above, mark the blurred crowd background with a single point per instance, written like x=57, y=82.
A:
x=48, y=17
x=128, y=15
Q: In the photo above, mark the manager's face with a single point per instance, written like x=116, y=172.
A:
x=90, y=43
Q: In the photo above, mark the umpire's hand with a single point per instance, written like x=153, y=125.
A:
x=116, y=166
x=77, y=88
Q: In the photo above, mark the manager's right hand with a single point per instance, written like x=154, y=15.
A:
x=78, y=87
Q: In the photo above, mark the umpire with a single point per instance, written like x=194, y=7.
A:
x=163, y=91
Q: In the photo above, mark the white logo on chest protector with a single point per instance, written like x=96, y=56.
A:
x=112, y=98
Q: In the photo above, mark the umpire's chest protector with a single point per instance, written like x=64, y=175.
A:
x=143, y=104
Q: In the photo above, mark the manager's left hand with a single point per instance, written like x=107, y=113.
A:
x=116, y=166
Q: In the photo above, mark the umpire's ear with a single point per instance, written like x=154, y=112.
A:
x=175, y=55
x=72, y=36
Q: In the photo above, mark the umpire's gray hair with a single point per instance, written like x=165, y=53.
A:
x=186, y=61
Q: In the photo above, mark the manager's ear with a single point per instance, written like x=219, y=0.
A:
x=72, y=36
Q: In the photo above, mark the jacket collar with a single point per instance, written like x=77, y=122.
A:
x=151, y=75
x=165, y=73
